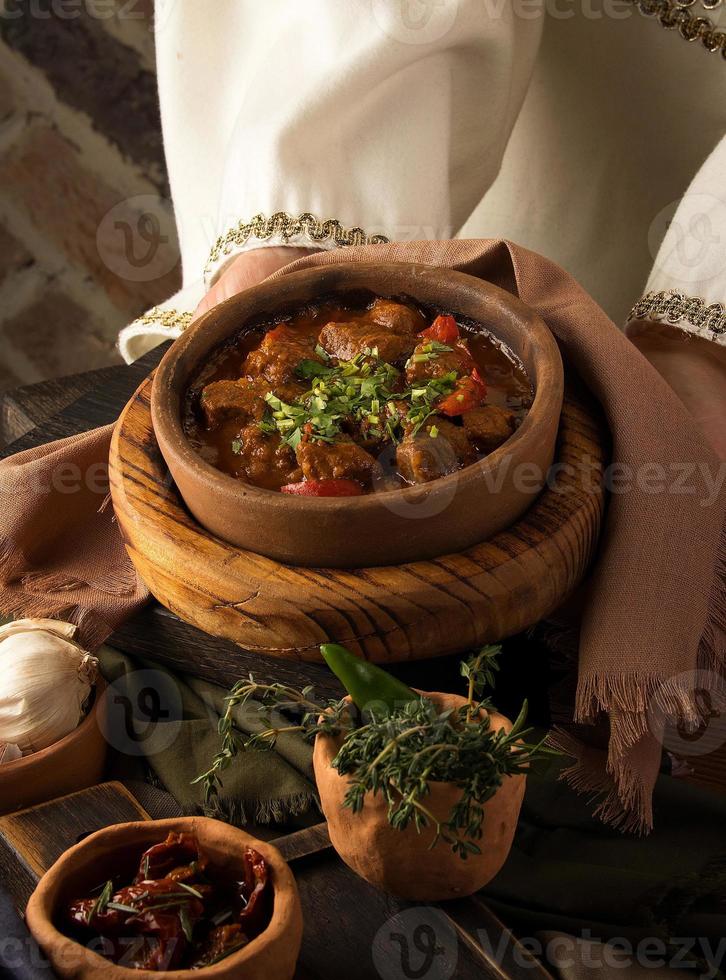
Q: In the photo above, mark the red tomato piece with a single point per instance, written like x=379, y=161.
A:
x=324, y=488
x=477, y=378
x=443, y=329
x=469, y=393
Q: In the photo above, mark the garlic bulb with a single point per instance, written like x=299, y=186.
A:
x=45, y=678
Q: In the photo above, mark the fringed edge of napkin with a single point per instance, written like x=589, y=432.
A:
x=626, y=699
x=49, y=595
x=242, y=812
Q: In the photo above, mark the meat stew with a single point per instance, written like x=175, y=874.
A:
x=353, y=394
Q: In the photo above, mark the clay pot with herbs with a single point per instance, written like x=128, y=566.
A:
x=421, y=791
x=418, y=864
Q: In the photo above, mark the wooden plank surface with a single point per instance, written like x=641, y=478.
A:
x=351, y=930
x=32, y=840
x=22, y=409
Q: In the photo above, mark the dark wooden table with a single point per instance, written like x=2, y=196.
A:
x=351, y=929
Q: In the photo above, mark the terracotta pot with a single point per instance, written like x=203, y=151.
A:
x=400, y=862
x=74, y=762
x=446, y=515
x=271, y=956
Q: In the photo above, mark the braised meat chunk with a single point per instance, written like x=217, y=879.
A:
x=440, y=447
x=428, y=362
x=243, y=399
x=346, y=340
x=396, y=317
x=339, y=460
x=279, y=353
x=489, y=426
x=264, y=459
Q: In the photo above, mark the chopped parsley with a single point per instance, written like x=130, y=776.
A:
x=365, y=391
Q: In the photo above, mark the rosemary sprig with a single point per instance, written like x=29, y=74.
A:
x=186, y=923
x=101, y=903
x=120, y=907
x=192, y=891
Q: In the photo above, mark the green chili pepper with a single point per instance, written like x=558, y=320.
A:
x=367, y=684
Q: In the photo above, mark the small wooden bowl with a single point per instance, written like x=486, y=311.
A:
x=402, y=862
x=446, y=515
x=271, y=956
x=72, y=763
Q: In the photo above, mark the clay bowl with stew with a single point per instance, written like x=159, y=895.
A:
x=385, y=526
x=115, y=851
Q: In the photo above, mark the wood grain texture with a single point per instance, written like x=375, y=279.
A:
x=22, y=409
x=351, y=929
x=32, y=840
x=387, y=614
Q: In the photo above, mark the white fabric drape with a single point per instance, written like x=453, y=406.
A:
x=402, y=118
x=363, y=111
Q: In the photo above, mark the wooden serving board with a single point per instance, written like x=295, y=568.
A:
x=351, y=929
x=387, y=614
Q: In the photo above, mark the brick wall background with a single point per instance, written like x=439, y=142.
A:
x=87, y=238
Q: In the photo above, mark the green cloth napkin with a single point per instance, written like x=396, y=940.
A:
x=174, y=723
x=569, y=872
x=566, y=871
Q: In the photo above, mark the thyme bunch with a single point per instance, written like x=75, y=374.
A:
x=294, y=711
x=400, y=754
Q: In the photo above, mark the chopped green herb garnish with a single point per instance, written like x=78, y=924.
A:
x=352, y=392
x=186, y=923
x=192, y=891
x=236, y=448
x=309, y=369
x=120, y=907
x=101, y=903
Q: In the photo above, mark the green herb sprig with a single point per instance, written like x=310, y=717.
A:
x=307, y=716
x=365, y=391
x=398, y=754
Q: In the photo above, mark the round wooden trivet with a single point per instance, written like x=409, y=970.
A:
x=389, y=614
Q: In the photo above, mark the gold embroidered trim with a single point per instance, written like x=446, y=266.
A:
x=672, y=307
x=286, y=226
x=673, y=16
x=166, y=318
